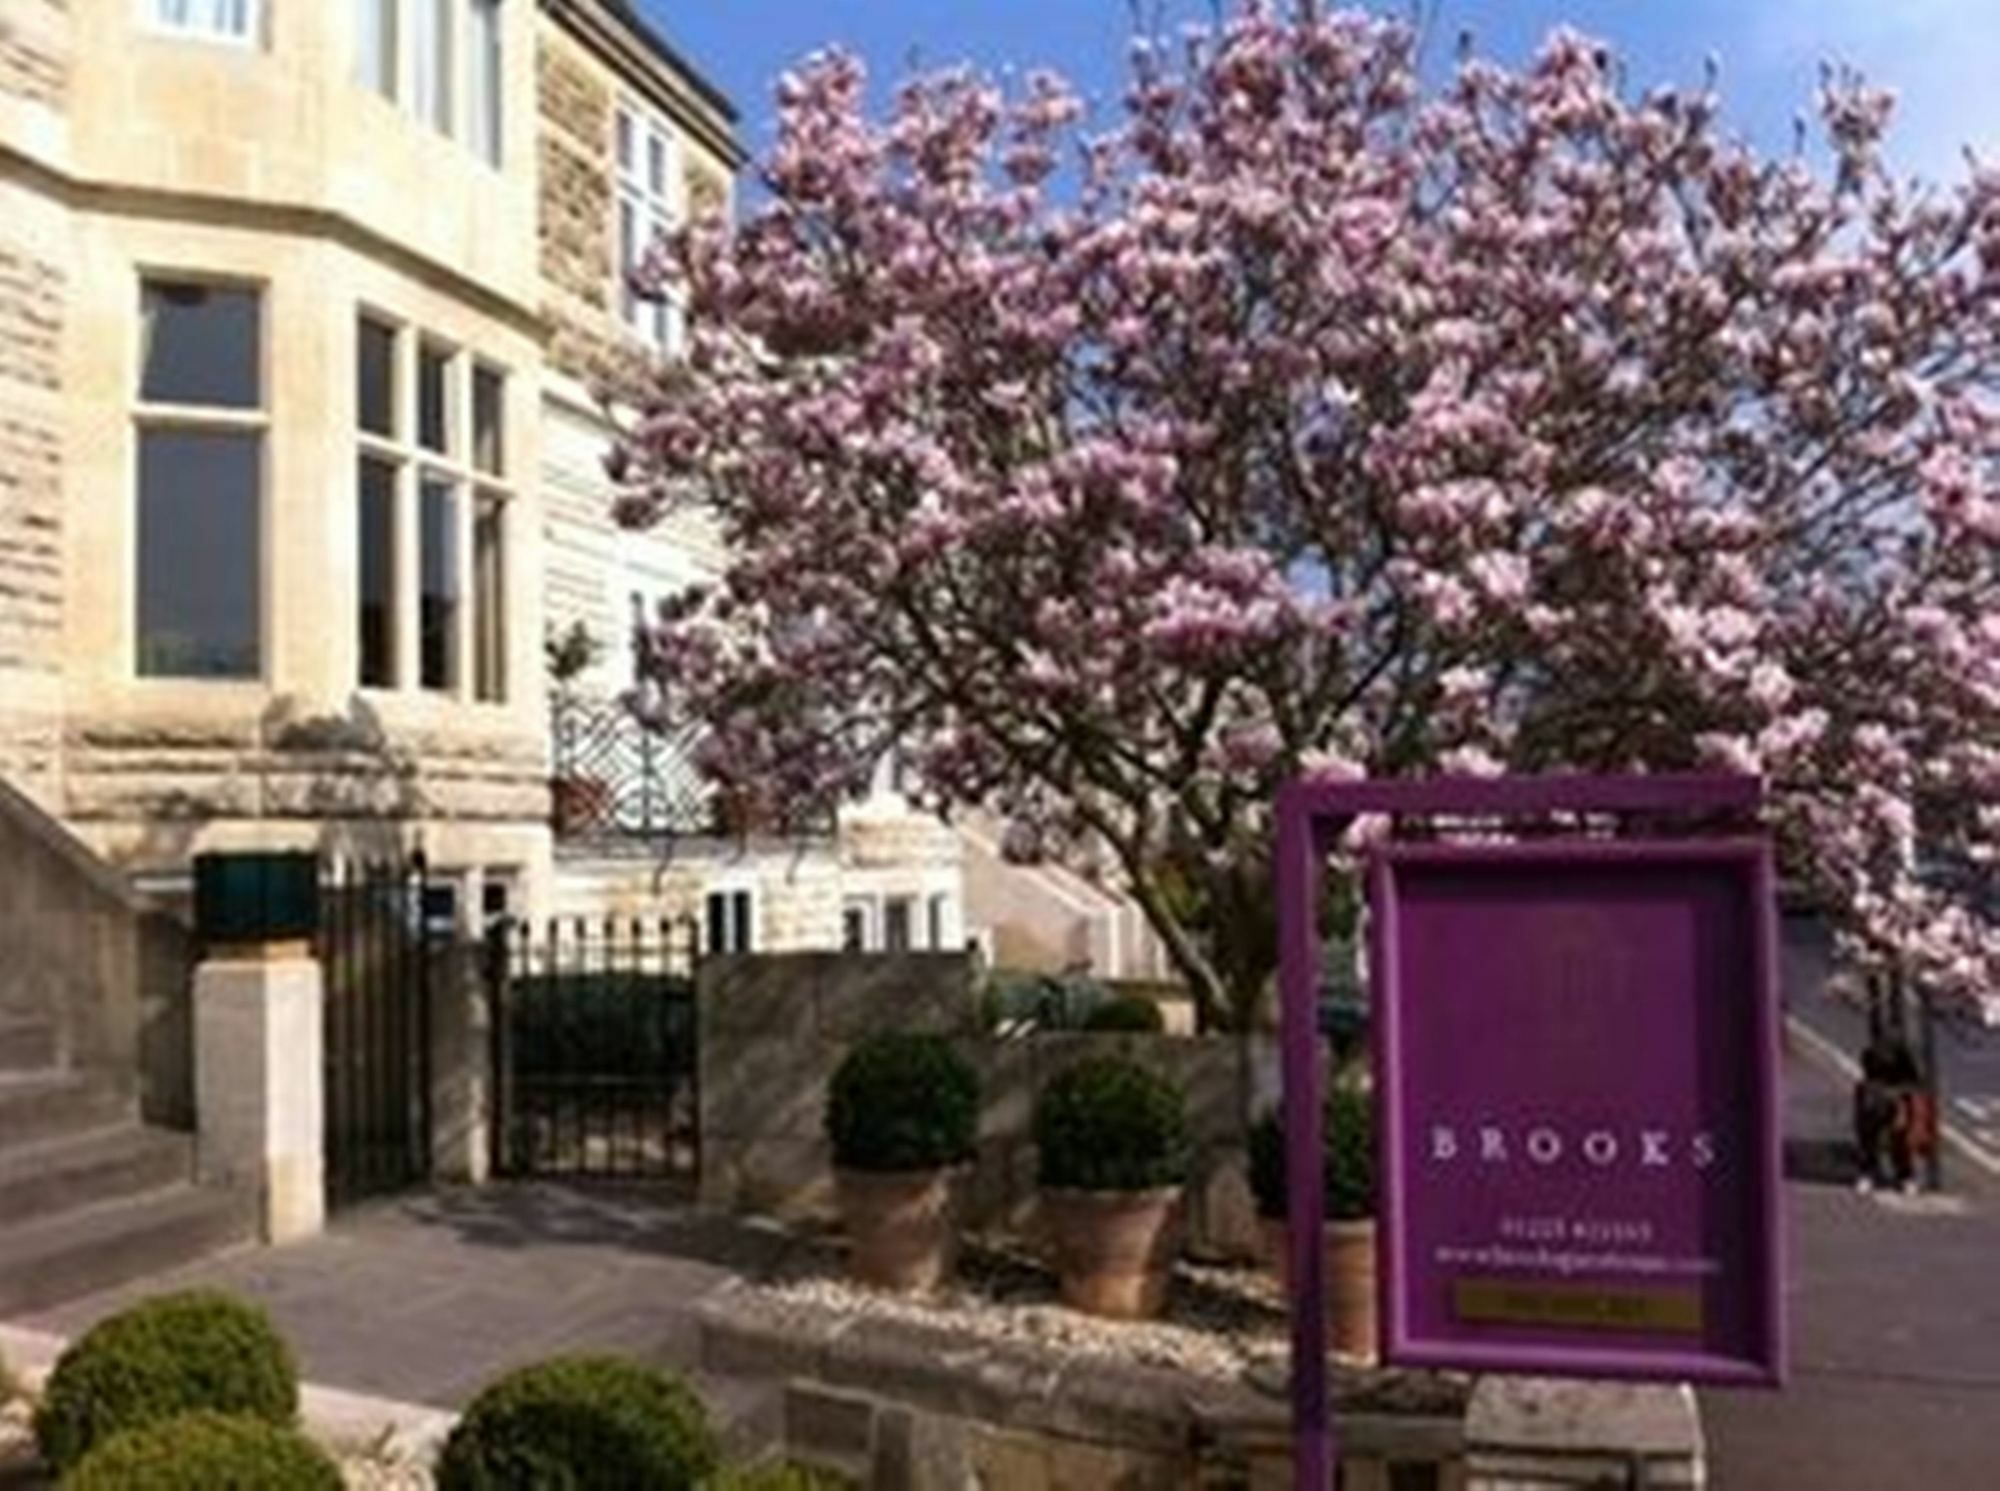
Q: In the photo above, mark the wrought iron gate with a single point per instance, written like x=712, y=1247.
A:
x=376, y=952
x=595, y=1070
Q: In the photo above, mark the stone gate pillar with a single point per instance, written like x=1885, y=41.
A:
x=260, y=1100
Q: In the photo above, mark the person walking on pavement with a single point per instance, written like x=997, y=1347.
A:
x=1885, y=1113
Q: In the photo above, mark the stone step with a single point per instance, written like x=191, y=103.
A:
x=50, y=1105
x=27, y=1046
x=74, y=1171
x=748, y=1413
x=99, y=1247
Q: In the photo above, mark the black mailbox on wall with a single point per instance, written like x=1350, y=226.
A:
x=256, y=897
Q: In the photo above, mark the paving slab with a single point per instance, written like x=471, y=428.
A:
x=425, y=1298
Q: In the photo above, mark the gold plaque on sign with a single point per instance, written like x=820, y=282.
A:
x=1605, y=1307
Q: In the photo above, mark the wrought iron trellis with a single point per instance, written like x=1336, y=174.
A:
x=617, y=778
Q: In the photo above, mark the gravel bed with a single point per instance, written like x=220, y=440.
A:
x=1219, y=1322
x=1225, y=1324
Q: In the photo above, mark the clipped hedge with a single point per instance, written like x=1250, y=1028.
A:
x=206, y=1452
x=1347, y=1155
x=171, y=1355
x=1108, y=1124
x=902, y=1101
x=1127, y=1013
x=580, y=1423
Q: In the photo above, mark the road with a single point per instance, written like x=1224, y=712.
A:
x=1895, y=1309
x=1968, y=1056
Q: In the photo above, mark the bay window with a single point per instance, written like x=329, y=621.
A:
x=434, y=510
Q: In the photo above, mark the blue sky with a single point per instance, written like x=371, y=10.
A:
x=1943, y=56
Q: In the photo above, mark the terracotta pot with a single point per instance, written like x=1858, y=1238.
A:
x=899, y=1227
x=1350, y=1282
x=578, y=803
x=1114, y=1250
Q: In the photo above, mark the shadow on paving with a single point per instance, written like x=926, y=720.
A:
x=1895, y=1308
x=427, y=1297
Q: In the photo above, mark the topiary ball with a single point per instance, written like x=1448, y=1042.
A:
x=206, y=1452
x=1127, y=1013
x=580, y=1423
x=901, y=1102
x=1347, y=1157
x=1108, y=1124
x=172, y=1355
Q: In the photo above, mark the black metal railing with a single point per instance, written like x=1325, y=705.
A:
x=376, y=952
x=595, y=1048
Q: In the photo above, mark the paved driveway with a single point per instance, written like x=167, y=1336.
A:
x=427, y=1298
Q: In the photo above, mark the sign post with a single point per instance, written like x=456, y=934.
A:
x=1576, y=1047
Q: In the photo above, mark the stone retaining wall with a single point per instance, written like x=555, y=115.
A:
x=904, y=1408
x=773, y=1029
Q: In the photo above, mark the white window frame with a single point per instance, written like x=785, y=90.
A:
x=909, y=903
x=731, y=889
x=659, y=324
x=870, y=908
x=458, y=467
x=253, y=422
x=153, y=15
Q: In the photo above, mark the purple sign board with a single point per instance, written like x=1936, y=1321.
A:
x=1576, y=1064
x=1576, y=1046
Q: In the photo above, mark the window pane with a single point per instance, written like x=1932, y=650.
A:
x=375, y=45
x=375, y=394
x=489, y=574
x=200, y=554
x=937, y=924
x=489, y=421
x=853, y=930
x=656, y=164
x=226, y=18
x=434, y=400
x=740, y=906
x=437, y=629
x=378, y=573
x=485, y=58
x=198, y=345
x=624, y=141
x=432, y=58
x=896, y=925
x=628, y=256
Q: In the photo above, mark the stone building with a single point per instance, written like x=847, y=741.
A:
x=304, y=310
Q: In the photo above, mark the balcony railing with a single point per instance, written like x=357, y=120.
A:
x=617, y=781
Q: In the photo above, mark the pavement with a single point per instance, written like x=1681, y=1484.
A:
x=424, y=1299
x=1895, y=1309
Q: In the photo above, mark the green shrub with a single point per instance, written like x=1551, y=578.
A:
x=1108, y=1124
x=206, y=1452
x=581, y=1423
x=779, y=1475
x=1126, y=1012
x=902, y=1102
x=1348, y=1151
x=175, y=1354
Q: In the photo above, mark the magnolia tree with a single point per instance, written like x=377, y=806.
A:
x=1305, y=418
